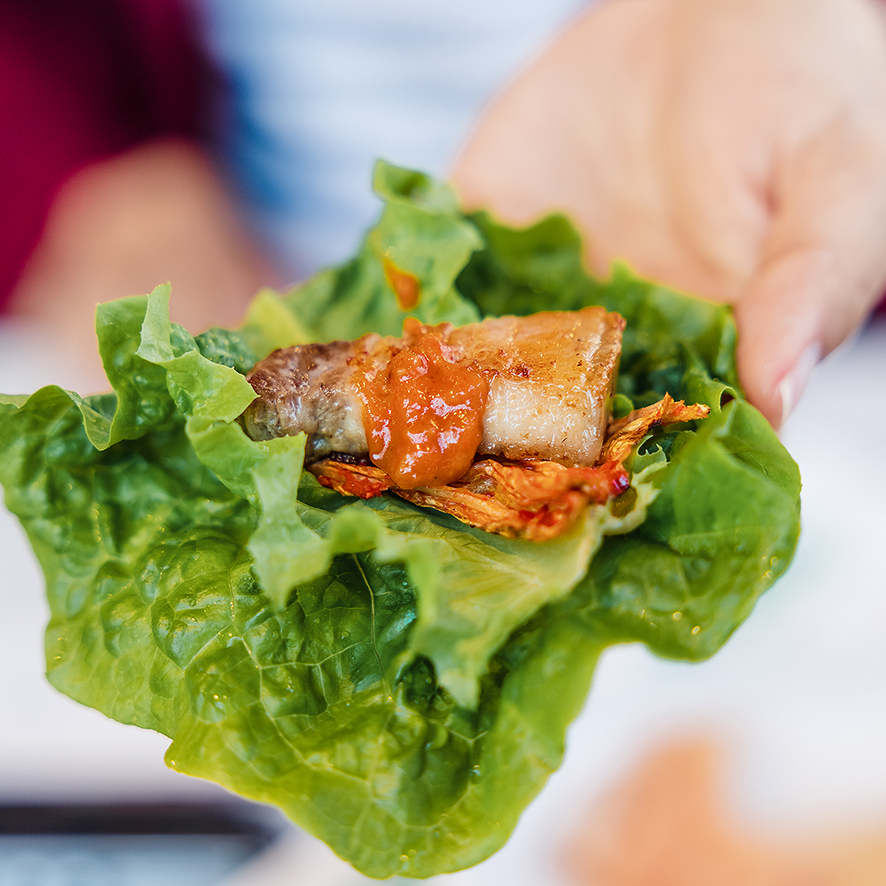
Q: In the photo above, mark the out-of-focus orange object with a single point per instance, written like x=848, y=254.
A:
x=670, y=823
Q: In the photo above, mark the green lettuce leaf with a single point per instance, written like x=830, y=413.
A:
x=399, y=684
x=473, y=588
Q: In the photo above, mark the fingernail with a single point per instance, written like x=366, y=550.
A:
x=791, y=386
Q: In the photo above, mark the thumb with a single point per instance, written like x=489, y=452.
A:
x=822, y=270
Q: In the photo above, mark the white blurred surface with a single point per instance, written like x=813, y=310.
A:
x=798, y=694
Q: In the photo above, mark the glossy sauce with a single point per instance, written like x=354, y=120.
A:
x=405, y=285
x=423, y=413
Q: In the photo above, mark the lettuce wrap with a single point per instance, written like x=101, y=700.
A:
x=398, y=683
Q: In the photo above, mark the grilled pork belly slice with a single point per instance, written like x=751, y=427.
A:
x=550, y=377
x=502, y=424
x=547, y=377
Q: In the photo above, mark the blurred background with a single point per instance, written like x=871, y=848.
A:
x=225, y=146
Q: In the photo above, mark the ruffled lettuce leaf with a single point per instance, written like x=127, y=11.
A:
x=420, y=231
x=725, y=520
x=398, y=683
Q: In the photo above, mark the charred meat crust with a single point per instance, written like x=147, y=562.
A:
x=308, y=388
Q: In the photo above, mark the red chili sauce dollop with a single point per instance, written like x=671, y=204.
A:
x=423, y=412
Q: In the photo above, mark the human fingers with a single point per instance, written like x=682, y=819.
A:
x=822, y=267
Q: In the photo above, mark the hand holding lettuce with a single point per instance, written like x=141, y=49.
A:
x=399, y=684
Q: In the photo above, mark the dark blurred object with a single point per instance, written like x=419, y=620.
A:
x=194, y=844
x=257, y=824
x=80, y=82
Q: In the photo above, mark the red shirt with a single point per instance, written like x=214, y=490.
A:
x=80, y=81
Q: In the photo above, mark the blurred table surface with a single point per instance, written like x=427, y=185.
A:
x=798, y=694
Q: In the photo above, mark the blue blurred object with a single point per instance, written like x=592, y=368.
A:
x=118, y=861
x=317, y=91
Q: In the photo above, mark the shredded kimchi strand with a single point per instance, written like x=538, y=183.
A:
x=522, y=499
x=624, y=434
x=363, y=481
